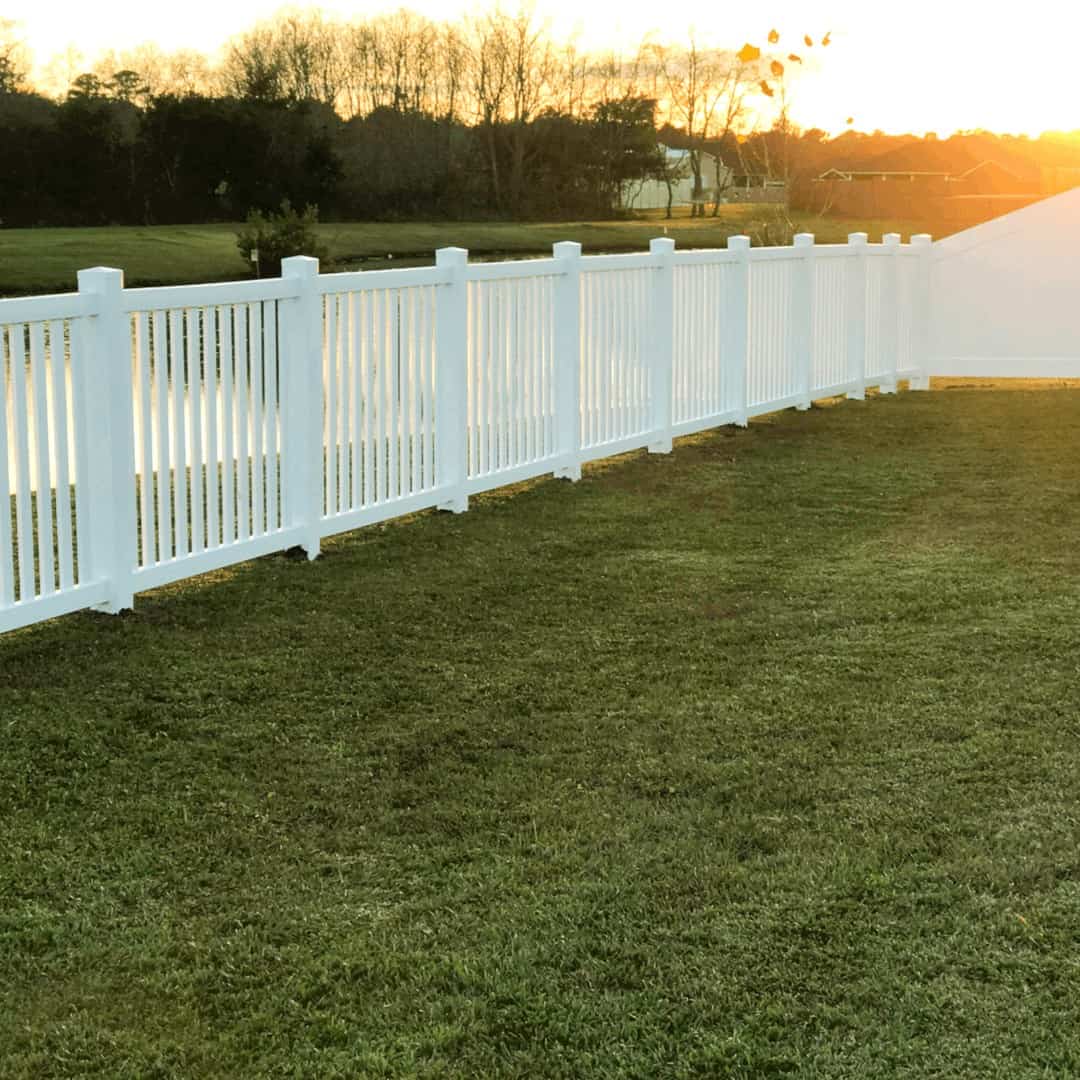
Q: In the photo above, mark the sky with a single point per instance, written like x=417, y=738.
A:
x=912, y=67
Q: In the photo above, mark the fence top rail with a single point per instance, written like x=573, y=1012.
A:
x=703, y=256
x=515, y=269
x=361, y=280
x=593, y=263
x=29, y=309
x=198, y=296
x=776, y=254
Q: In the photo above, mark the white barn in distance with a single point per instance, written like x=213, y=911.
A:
x=653, y=194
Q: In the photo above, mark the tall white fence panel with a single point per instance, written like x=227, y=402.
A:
x=149, y=435
x=1004, y=295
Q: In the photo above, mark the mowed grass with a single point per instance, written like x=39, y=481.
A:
x=758, y=759
x=47, y=260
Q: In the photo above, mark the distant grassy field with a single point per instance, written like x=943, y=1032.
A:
x=755, y=760
x=46, y=260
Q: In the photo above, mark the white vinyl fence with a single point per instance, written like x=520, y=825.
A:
x=149, y=435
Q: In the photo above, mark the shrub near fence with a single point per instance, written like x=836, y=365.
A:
x=150, y=435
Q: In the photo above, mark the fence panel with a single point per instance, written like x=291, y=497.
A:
x=209, y=462
x=616, y=324
x=511, y=378
x=379, y=386
x=42, y=458
x=701, y=374
x=830, y=321
x=772, y=375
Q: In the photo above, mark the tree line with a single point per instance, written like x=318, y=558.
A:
x=394, y=116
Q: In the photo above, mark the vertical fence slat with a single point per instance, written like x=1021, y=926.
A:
x=329, y=381
x=890, y=314
x=378, y=392
x=258, y=457
x=213, y=457
x=61, y=432
x=7, y=561
x=164, y=455
x=242, y=390
x=428, y=354
x=23, y=515
x=179, y=433
x=271, y=415
x=145, y=460
x=413, y=443
x=370, y=402
x=193, y=343
x=393, y=388
x=42, y=471
x=226, y=330
x=356, y=341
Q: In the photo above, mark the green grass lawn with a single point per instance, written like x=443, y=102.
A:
x=47, y=260
x=759, y=759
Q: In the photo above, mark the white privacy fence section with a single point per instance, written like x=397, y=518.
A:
x=149, y=435
x=1005, y=295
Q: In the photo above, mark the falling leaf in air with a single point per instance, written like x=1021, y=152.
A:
x=809, y=40
x=766, y=89
x=748, y=54
x=827, y=38
x=794, y=58
x=774, y=36
x=777, y=68
x=850, y=120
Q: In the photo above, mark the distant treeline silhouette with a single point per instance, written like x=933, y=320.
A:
x=400, y=117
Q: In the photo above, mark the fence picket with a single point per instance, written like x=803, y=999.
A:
x=7, y=552
x=61, y=448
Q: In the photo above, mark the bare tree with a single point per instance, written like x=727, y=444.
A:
x=704, y=89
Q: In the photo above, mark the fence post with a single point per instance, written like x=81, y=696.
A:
x=568, y=360
x=736, y=327
x=302, y=405
x=452, y=379
x=890, y=313
x=663, y=342
x=920, y=314
x=855, y=286
x=109, y=550
x=802, y=318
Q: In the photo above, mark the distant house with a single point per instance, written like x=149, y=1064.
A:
x=654, y=194
x=893, y=187
x=985, y=178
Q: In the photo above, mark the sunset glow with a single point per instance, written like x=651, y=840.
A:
x=917, y=67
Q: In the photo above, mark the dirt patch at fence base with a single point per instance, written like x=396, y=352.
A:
x=948, y=382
